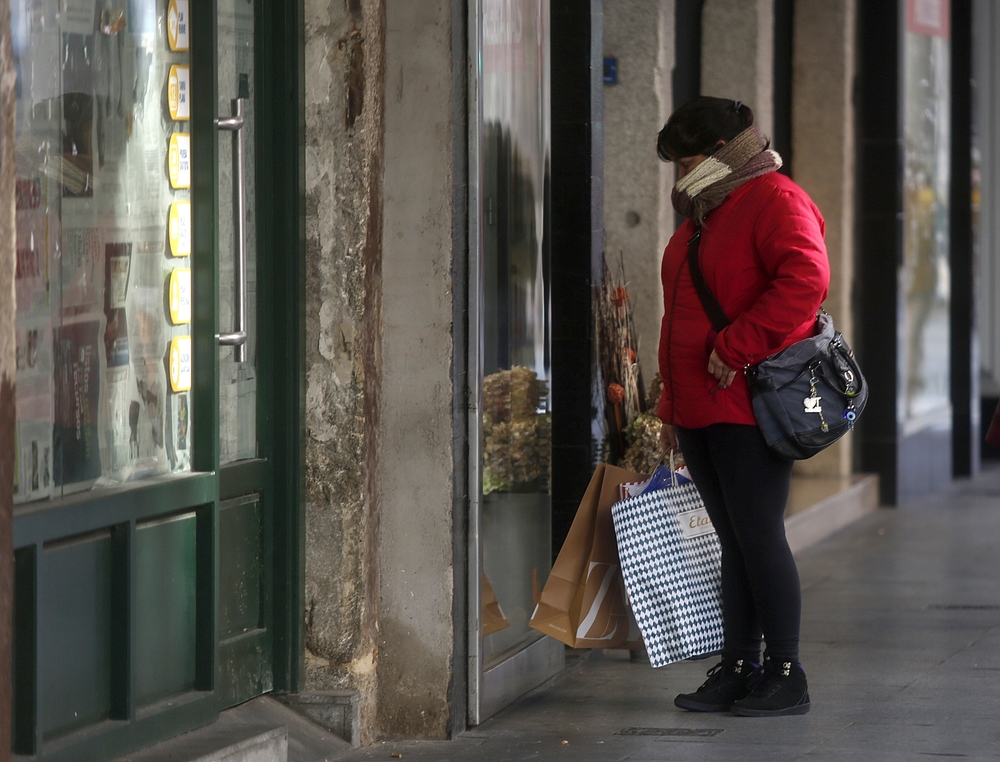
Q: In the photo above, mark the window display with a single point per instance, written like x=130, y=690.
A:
x=925, y=275
x=103, y=243
x=516, y=523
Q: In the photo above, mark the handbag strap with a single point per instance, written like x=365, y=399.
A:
x=715, y=312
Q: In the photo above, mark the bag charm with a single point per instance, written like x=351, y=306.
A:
x=850, y=413
x=812, y=401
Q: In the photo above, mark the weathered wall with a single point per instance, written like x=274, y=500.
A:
x=415, y=429
x=737, y=59
x=379, y=132
x=638, y=218
x=823, y=147
x=344, y=88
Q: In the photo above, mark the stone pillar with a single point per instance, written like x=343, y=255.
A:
x=638, y=217
x=737, y=54
x=344, y=90
x=824, y=151
x=415, y=431
x=8, y=367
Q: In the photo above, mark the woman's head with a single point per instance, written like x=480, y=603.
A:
x=701, y=126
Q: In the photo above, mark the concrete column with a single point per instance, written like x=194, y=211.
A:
x=824, y=150
x=737, y=54
x=638, y=217
x=415, y=431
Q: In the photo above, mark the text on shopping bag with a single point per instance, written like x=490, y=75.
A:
x=695, y=523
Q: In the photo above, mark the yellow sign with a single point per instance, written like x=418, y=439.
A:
x=179, y=92
x=179, y=161
x=179, y=228
x=180, y=296
x=178, y=25
x=180, y=364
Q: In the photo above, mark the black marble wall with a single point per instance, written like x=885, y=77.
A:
x=781, y=138
x=880, y=236
x=577, y=246
x=964, y=365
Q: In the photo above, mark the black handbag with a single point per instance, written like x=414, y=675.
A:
x=805, y=397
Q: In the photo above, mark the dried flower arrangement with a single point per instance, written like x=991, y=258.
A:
x=517, y=451
x=632, y=436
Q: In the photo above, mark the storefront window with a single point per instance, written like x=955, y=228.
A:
x=516, y=422
x=926, y=273
x=103, y=243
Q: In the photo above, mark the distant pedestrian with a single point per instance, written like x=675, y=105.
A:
x=763, y=258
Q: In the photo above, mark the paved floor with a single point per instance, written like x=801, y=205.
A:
x=900, y=640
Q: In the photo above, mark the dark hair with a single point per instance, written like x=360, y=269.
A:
x=698, y=126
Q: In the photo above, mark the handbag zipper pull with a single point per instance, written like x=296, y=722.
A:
x=849, y=390
x=812, y=401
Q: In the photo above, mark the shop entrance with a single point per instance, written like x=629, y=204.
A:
x=150, y=529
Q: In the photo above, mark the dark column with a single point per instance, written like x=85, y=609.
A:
x=686, y=77
x=880, y=237
x=964, y=373
x=577, y=247
x=781, y=140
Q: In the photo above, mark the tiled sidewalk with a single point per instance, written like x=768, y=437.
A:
x=900, y=640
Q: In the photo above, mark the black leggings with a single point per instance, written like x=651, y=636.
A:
x=745, y=489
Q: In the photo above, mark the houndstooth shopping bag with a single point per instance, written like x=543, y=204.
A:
x=671, y=563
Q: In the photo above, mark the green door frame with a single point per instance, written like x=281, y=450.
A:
x=281, y=158
x=114, y=513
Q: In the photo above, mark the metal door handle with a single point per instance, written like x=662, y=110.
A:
x=238, y=338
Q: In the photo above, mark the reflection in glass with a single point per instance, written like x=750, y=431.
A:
x=95, y=402
x=516, y=467
x=237, y=380
x=925, y=275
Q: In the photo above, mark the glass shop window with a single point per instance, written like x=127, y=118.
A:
x=103, y=275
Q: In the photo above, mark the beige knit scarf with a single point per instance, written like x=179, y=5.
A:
x=706, y=186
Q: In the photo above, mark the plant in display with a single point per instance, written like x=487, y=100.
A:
x=631, y=435
x=516, y=432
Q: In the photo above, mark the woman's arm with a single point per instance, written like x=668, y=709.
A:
x=788, y=237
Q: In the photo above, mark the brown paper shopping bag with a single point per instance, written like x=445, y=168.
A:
x=492, y=617
x=583, y=603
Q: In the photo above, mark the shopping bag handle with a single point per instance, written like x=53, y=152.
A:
x=669, y=459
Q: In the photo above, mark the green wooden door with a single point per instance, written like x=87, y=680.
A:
x=149, y=525
x=245, y=642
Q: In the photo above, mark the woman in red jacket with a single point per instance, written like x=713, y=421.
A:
x=763, y=258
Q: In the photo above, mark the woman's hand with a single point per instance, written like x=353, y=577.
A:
x=668, y=438
x=720, y=370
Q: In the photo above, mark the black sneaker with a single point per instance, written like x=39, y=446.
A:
x=780, y=689
x=728, y=681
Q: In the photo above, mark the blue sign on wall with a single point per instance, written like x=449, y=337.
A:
x=611, y=71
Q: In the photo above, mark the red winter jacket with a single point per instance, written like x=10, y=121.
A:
x=764, y=259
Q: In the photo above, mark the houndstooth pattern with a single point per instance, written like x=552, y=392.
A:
x=673, y=582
